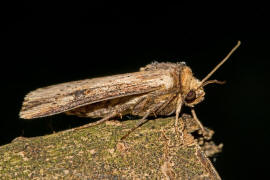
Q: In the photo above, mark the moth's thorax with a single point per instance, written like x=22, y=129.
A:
x=190, y=83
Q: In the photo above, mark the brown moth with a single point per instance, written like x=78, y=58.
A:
x=157, y=89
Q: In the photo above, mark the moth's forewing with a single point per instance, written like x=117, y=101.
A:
x=67, y=96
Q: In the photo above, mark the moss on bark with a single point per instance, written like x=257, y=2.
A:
x=152, y=151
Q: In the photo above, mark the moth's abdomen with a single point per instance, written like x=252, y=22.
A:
x=105, y=108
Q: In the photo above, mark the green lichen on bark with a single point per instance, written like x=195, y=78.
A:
x=152, y=151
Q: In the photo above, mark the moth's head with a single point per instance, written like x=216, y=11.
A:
x=192, y=89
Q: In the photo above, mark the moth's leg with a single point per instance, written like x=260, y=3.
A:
x=178, y=110
x=97, y=122
x=145, y=100
x=142, y=102
x=143, y=120
x=169, y=100
x=155, y=109
x=179, y=131
x=204, y=132
x=118, y=110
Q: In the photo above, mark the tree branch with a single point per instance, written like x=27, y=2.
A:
x=152, y=151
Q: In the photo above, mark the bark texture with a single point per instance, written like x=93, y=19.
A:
x=153, y=151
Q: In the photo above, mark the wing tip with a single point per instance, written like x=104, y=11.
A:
x=24, y=115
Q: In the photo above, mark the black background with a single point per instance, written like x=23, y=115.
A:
x=46, y=43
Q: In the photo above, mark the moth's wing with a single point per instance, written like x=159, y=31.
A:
x=66, y=96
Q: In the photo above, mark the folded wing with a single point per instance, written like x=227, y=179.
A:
x=66, y=96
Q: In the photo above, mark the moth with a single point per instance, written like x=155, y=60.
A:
x=156, y=89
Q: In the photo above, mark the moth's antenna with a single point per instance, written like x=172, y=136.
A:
x=220, y=64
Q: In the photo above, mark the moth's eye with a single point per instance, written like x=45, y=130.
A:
x=191, y=96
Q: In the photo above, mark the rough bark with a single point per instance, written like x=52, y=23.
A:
x=153, y=151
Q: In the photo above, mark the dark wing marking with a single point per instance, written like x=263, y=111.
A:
x=66, y=96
